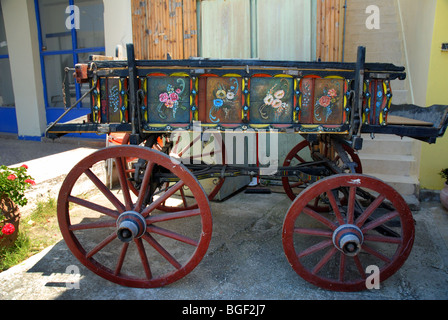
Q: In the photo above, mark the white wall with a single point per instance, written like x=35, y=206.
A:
x=23, y=46
x=117, y=25
x=417, y=20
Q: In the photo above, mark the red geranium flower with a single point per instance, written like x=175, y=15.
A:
x=24, y=166
x=8, y=229
x=11, y=177
x=31, y=182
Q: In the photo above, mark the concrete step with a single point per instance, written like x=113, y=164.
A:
x=388, y=164
x=400, y=96
x=407, y=186
x=391, y=159
x=387, y=145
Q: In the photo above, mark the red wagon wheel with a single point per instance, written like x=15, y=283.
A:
x=302, y=153
x=120, y=237
x=333, y=249
x=181, y=153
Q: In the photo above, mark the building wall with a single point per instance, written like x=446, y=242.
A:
x=382, y=45
x=117, y=25
x=417, y=44
x=435, y=157
x=23, y=49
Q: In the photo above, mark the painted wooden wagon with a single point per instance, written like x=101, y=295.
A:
x=155, y=225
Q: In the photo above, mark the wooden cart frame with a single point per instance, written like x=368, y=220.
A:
x=340, y=221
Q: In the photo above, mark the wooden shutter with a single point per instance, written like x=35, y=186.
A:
x=162, y=27
x=329, y=30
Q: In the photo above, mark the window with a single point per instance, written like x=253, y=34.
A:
x=6, y=90
x=69, y=32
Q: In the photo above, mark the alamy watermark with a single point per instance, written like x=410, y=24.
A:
x=238, y=146
x=73, y=270
x=373, y=20
x=373, y=280
x=73, y=19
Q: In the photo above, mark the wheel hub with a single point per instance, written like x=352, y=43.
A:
x=348, y=238
x=130, y=225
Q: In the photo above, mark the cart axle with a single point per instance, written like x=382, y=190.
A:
x=348, y=238
x=130, y=225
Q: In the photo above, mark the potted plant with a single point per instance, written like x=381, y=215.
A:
x=13, y=184
x=444, y=192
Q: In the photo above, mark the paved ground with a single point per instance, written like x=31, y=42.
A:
x=245, y=260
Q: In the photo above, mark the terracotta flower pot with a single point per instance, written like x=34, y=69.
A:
x=11, y=212
x=444, y=196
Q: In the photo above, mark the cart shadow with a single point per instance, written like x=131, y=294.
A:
x=236, y=265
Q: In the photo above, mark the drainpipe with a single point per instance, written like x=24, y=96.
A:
x=253, y=30
x=343, y=33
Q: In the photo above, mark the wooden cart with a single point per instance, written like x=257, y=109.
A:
x=340, y=221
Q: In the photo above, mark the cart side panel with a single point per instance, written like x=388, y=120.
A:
x=271, y=100
x=109, y=100
x=329, y=100
x=223, y=101
x=377, y=100
x=230, y=100
x=168, y=99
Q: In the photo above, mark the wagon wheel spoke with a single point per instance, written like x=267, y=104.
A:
x=335, y=206
x=359, y=267
x=296, y=156
x=368, y=212
x=299, y=154
x=319, y=217
x=380, y=221
x=187, y=154
x=120, y=163
x=94, y=206
x=375, y=253
x=181, y=153
x=173, y=216
x=313, y=249
x=324, y=260
x=172, y=235
x=315, y=232
x=144, y=258
x=121, y=258
x=172, y=190
x=101, y=245
x=351, y=205
x=378, y=238
x=353, y=229
x=107, y=193
x=144, y=186
x=153, y=242
x=93, y=225
x=134, y=245
x=184, y=200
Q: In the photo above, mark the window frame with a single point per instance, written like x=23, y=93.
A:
x=74, y=51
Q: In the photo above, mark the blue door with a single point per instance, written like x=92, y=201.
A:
x=69, y=31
